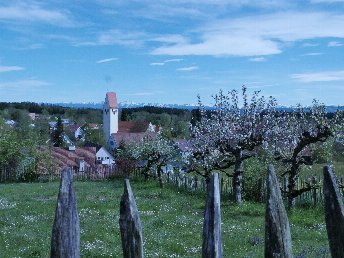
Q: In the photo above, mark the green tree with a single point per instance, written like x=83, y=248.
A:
x=58, y=133
x=124, y=115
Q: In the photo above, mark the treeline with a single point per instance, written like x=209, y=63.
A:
x=175, y=122
x=33, y=107
x=12, y=110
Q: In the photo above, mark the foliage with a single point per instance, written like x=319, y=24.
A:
x=124, y=115
x=255, y=170
x=19, y=151
x=58, y=133
x=94, y=136
x=175, y=122
x=9, y=146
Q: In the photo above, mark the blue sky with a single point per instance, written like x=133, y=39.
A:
x=169, y=51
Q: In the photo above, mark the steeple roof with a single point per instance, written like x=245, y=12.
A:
x=112, y=99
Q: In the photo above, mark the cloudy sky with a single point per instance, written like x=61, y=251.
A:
x=168, y=51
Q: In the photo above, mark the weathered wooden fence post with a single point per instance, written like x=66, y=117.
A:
x=334, y=214
x=314, y=182
x=130, y=225
x=212, y=242
x=277, y=232
x=65, y=239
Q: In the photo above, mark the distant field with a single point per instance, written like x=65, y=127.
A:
x=171, y=219
x=317, y=169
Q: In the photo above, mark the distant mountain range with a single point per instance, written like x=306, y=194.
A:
x=127, y=105
x=329, y=109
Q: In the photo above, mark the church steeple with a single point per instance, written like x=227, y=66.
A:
x=110, y=114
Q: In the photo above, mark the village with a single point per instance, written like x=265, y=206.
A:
x=91, y=147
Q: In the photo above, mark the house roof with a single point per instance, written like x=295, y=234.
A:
x=63, y=157
x=93, y=126
x=132, y=126
x=111, y=99
x=127, y=137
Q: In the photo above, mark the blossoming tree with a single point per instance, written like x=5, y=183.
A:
x=298, y=131
x=154, y=151
x=229, y=134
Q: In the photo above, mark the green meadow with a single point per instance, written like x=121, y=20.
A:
x=171, y=218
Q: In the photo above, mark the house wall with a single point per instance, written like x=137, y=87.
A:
x=104, y=157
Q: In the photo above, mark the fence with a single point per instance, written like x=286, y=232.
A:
x=186, y=181
x=91, y=173
x=65, y=241
x=197, y=183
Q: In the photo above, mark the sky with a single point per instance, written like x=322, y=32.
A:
x=170, y=51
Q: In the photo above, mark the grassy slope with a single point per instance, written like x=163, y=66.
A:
x=172, y=222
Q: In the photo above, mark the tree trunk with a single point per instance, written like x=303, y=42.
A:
x=159, y=170
x=291, y=190
x=237, y=177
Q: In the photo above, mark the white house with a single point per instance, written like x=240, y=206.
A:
x=79, y=134
x=104, y=157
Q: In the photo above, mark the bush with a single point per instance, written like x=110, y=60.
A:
x=254, y=178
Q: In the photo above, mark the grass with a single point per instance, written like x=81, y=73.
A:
x=317, y=169
x=172, y=221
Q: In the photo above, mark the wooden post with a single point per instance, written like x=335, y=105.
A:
x=212, y=242
x=196, y=183
x=277, y=231
x=334, y=214
x=130, y=225
x=314, y=182
x=65, y=239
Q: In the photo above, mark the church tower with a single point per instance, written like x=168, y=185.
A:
x=110, y=114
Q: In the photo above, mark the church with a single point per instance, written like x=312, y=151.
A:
x=117, y=132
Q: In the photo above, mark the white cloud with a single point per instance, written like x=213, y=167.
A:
x=157, y=63
x=334, y=44
x=173, y=60
x=319, y=77
x=4, y=69
x=257, y=59
x=106, y=60
x=188, y=68
x=310, y=44
x=326, y=1
x=257, y=35
x=118, y=37
x=23, y=84
x=313, y=54
x=167, y=61
x=35, y=13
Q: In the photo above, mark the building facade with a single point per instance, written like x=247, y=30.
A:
x=110, y=114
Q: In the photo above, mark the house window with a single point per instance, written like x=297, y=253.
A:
x=107, y=157
x=98, y=158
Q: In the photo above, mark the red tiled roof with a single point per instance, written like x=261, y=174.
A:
x=93, y=126
x=127, y=137
x=63, y=157
x=130, y=137
x=111, y=99
x=132, y=127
